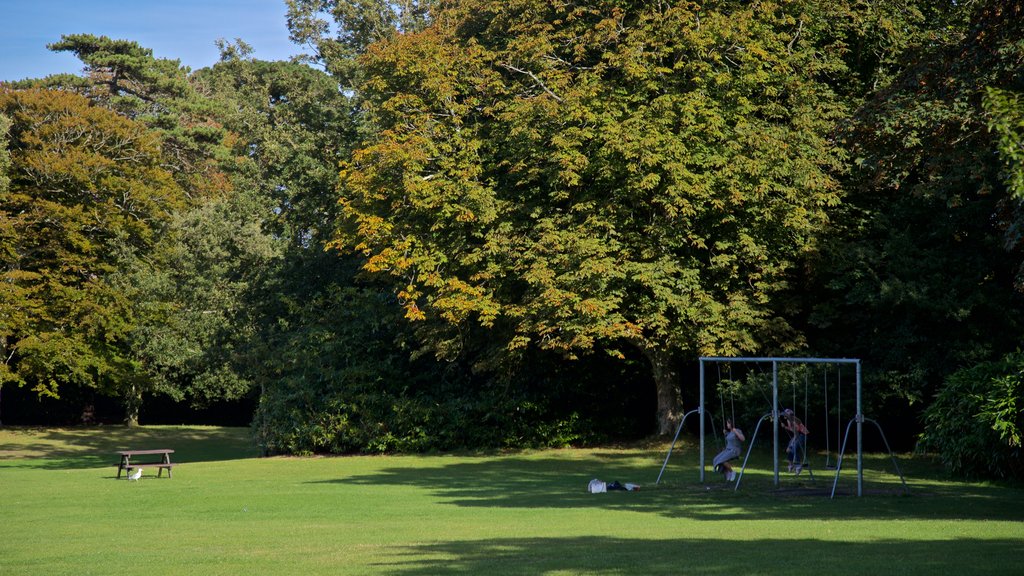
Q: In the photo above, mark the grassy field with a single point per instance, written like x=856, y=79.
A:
x=226, y=511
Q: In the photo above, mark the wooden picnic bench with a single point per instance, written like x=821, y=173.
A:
x=126, y=463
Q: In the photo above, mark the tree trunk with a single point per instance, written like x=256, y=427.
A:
x=132, y=404
x=666, y=380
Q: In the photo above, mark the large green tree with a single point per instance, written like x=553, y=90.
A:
x=256, y=144
x=582, y=178
x=919, y=277
x=86, y=190
x=295, y=125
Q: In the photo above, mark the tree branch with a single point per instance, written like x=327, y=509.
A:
x=535, y=79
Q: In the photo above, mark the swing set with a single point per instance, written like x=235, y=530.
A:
x=859, y=419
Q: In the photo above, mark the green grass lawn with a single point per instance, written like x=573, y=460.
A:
x=226, y=511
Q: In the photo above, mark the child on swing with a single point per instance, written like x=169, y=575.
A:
x=797, y=441
x=733, y=439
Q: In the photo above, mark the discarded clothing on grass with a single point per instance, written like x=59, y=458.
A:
x=597, y=487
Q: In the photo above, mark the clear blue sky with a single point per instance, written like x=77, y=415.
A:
x=177, y=29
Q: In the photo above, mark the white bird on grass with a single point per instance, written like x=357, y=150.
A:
x=137, y=475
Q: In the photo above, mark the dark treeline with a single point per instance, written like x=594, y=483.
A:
x=487, y=223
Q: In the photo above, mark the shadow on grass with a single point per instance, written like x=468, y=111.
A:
x=97, y=446
x=623, y=555
x=551, y=482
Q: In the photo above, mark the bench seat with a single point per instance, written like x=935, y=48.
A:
x=160, y=465
x=149, y=465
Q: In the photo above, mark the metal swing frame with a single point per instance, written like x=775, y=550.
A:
x=859, y=419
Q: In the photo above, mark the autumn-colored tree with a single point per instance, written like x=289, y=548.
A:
x=86, y=191
x=581, y=178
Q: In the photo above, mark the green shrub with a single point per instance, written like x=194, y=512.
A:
x=975, y=422
x=377, y=416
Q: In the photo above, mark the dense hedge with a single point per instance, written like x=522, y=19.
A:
x=975, y=422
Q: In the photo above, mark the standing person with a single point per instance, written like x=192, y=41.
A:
x=797, y=446
x=733, y=447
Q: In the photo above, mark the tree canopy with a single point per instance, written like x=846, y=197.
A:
x=616, y=175
x=86, y=189
x=920, y=275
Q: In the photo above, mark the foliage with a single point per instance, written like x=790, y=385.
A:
x=255, y=145
x=190, y=295
x=86, y=185
x=294, y=125
x=127, y=78
x=976, y=420
x=573, y=178
x=1006, y=118
x=339, y=31
x=336, y=376
x=5, y=154
x=918, y=278
x=9, y=293
x=205, y=287
x=325, y=361
x=623, y=184
x=1005, y=108
x=883, y=38
x=191, y=299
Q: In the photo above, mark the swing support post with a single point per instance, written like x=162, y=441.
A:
x=860, y=442
x=701, y=423
x=676, y=438
x=775, y=421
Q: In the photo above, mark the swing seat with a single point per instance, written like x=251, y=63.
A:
x=799, y=469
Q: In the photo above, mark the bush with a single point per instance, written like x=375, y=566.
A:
x=402, y=413
x=975, y=423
